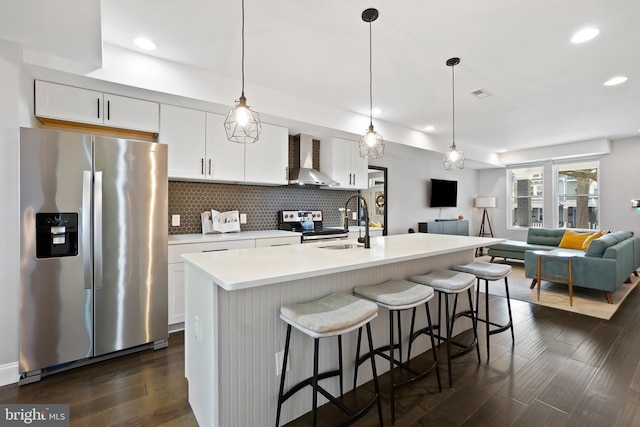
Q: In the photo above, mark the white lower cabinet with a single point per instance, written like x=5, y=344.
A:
x=176, y=270
x=176, y=267
x=176, y=293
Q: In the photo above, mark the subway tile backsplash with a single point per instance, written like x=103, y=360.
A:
x=261, y=204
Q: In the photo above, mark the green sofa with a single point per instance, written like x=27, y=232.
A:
x=608, y=262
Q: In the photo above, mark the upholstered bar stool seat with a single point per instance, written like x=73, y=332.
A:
x=446, y=283
x=490, y=272
x=396, y=296
x=333, y=315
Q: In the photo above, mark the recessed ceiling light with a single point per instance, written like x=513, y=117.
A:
x=584, y=35
x=144, y=43
x=429, y=128
x=376, y=111
x=615, y=81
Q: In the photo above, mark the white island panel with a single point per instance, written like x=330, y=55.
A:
x=230, y=359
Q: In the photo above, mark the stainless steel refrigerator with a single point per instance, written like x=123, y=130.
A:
x=93, y=249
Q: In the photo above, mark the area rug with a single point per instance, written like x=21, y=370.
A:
x=585, y=301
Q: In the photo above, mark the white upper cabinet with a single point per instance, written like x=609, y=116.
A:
x=340, y=159
x=263, y=162
x=130, y=113
x=199, y=149
x=226, y=157
x=71, y=104
x=266, y=160
x=184, y=131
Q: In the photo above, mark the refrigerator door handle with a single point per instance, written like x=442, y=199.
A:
x=86, y=228
x=97, y=230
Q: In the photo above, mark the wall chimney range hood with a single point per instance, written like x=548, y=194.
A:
x=302, y=171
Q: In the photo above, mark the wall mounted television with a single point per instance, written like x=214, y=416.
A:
x=444, y=194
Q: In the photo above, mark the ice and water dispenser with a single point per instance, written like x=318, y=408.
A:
x=56, y=235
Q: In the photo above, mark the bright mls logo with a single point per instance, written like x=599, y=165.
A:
x=35, y=415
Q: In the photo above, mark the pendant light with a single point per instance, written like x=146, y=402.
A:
x=371, y=143
x=455, y=157
x=242, y=124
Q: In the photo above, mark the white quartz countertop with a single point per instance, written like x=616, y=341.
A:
x=248, y=268
x=181, y=239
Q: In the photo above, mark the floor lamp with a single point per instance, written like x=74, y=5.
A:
x=484, y=203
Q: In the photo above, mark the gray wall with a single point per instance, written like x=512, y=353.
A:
x=619, y=184
x=10, y=69
x=408, y=175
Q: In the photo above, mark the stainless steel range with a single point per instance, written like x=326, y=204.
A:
x=309, y=223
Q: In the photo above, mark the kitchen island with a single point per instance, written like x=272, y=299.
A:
x=233, y=329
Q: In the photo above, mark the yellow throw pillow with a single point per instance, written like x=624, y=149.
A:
x=591, y=238
x=573, y=240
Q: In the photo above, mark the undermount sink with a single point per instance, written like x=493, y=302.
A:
x=342, y=246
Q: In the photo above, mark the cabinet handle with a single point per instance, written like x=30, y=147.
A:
x=108, y=110
x=98, y=100
x=216, y=250
x=286, y=173
x=209, y=166
x=354, y=179
x=202, y=166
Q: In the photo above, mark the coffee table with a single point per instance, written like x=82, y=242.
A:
x=560, y=261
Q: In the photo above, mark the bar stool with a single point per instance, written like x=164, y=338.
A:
x=490, y=272
x=333, y=315
x=396, y=296
x=447, y=282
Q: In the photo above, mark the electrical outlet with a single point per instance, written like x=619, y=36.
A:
x=243, y=218
x=279, y=359
x=175, y=220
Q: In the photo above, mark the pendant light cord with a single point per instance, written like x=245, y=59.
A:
x=242, y=47
x=453, y=102
x=370, y=79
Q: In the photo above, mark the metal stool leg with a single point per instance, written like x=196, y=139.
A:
x=314, y=381
x=486, y=313
x=506, y=288
x=434, y=352
x=282, y=374
x=375, y=373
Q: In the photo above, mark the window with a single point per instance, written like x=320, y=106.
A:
x=526, y=196
x=576, y=188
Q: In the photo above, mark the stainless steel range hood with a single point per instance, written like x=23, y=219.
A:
x=303, y=172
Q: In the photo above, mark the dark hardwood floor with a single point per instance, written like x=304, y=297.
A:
x=565, y=370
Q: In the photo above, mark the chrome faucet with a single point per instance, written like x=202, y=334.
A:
x=366, y=240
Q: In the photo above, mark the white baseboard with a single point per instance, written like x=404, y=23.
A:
x=9, y=374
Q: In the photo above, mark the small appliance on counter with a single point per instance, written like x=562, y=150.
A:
x=309, y=223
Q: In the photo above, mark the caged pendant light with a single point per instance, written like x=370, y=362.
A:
x=242, y=124
x=371, y=143
x=454, y=157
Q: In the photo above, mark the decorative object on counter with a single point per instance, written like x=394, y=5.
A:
x=454, y=157
x=220, y=222
x=371, y=143
x=242, y=123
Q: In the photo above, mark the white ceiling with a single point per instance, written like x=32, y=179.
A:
x=544, y=89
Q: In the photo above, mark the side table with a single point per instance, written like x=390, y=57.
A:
x=558, y=269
